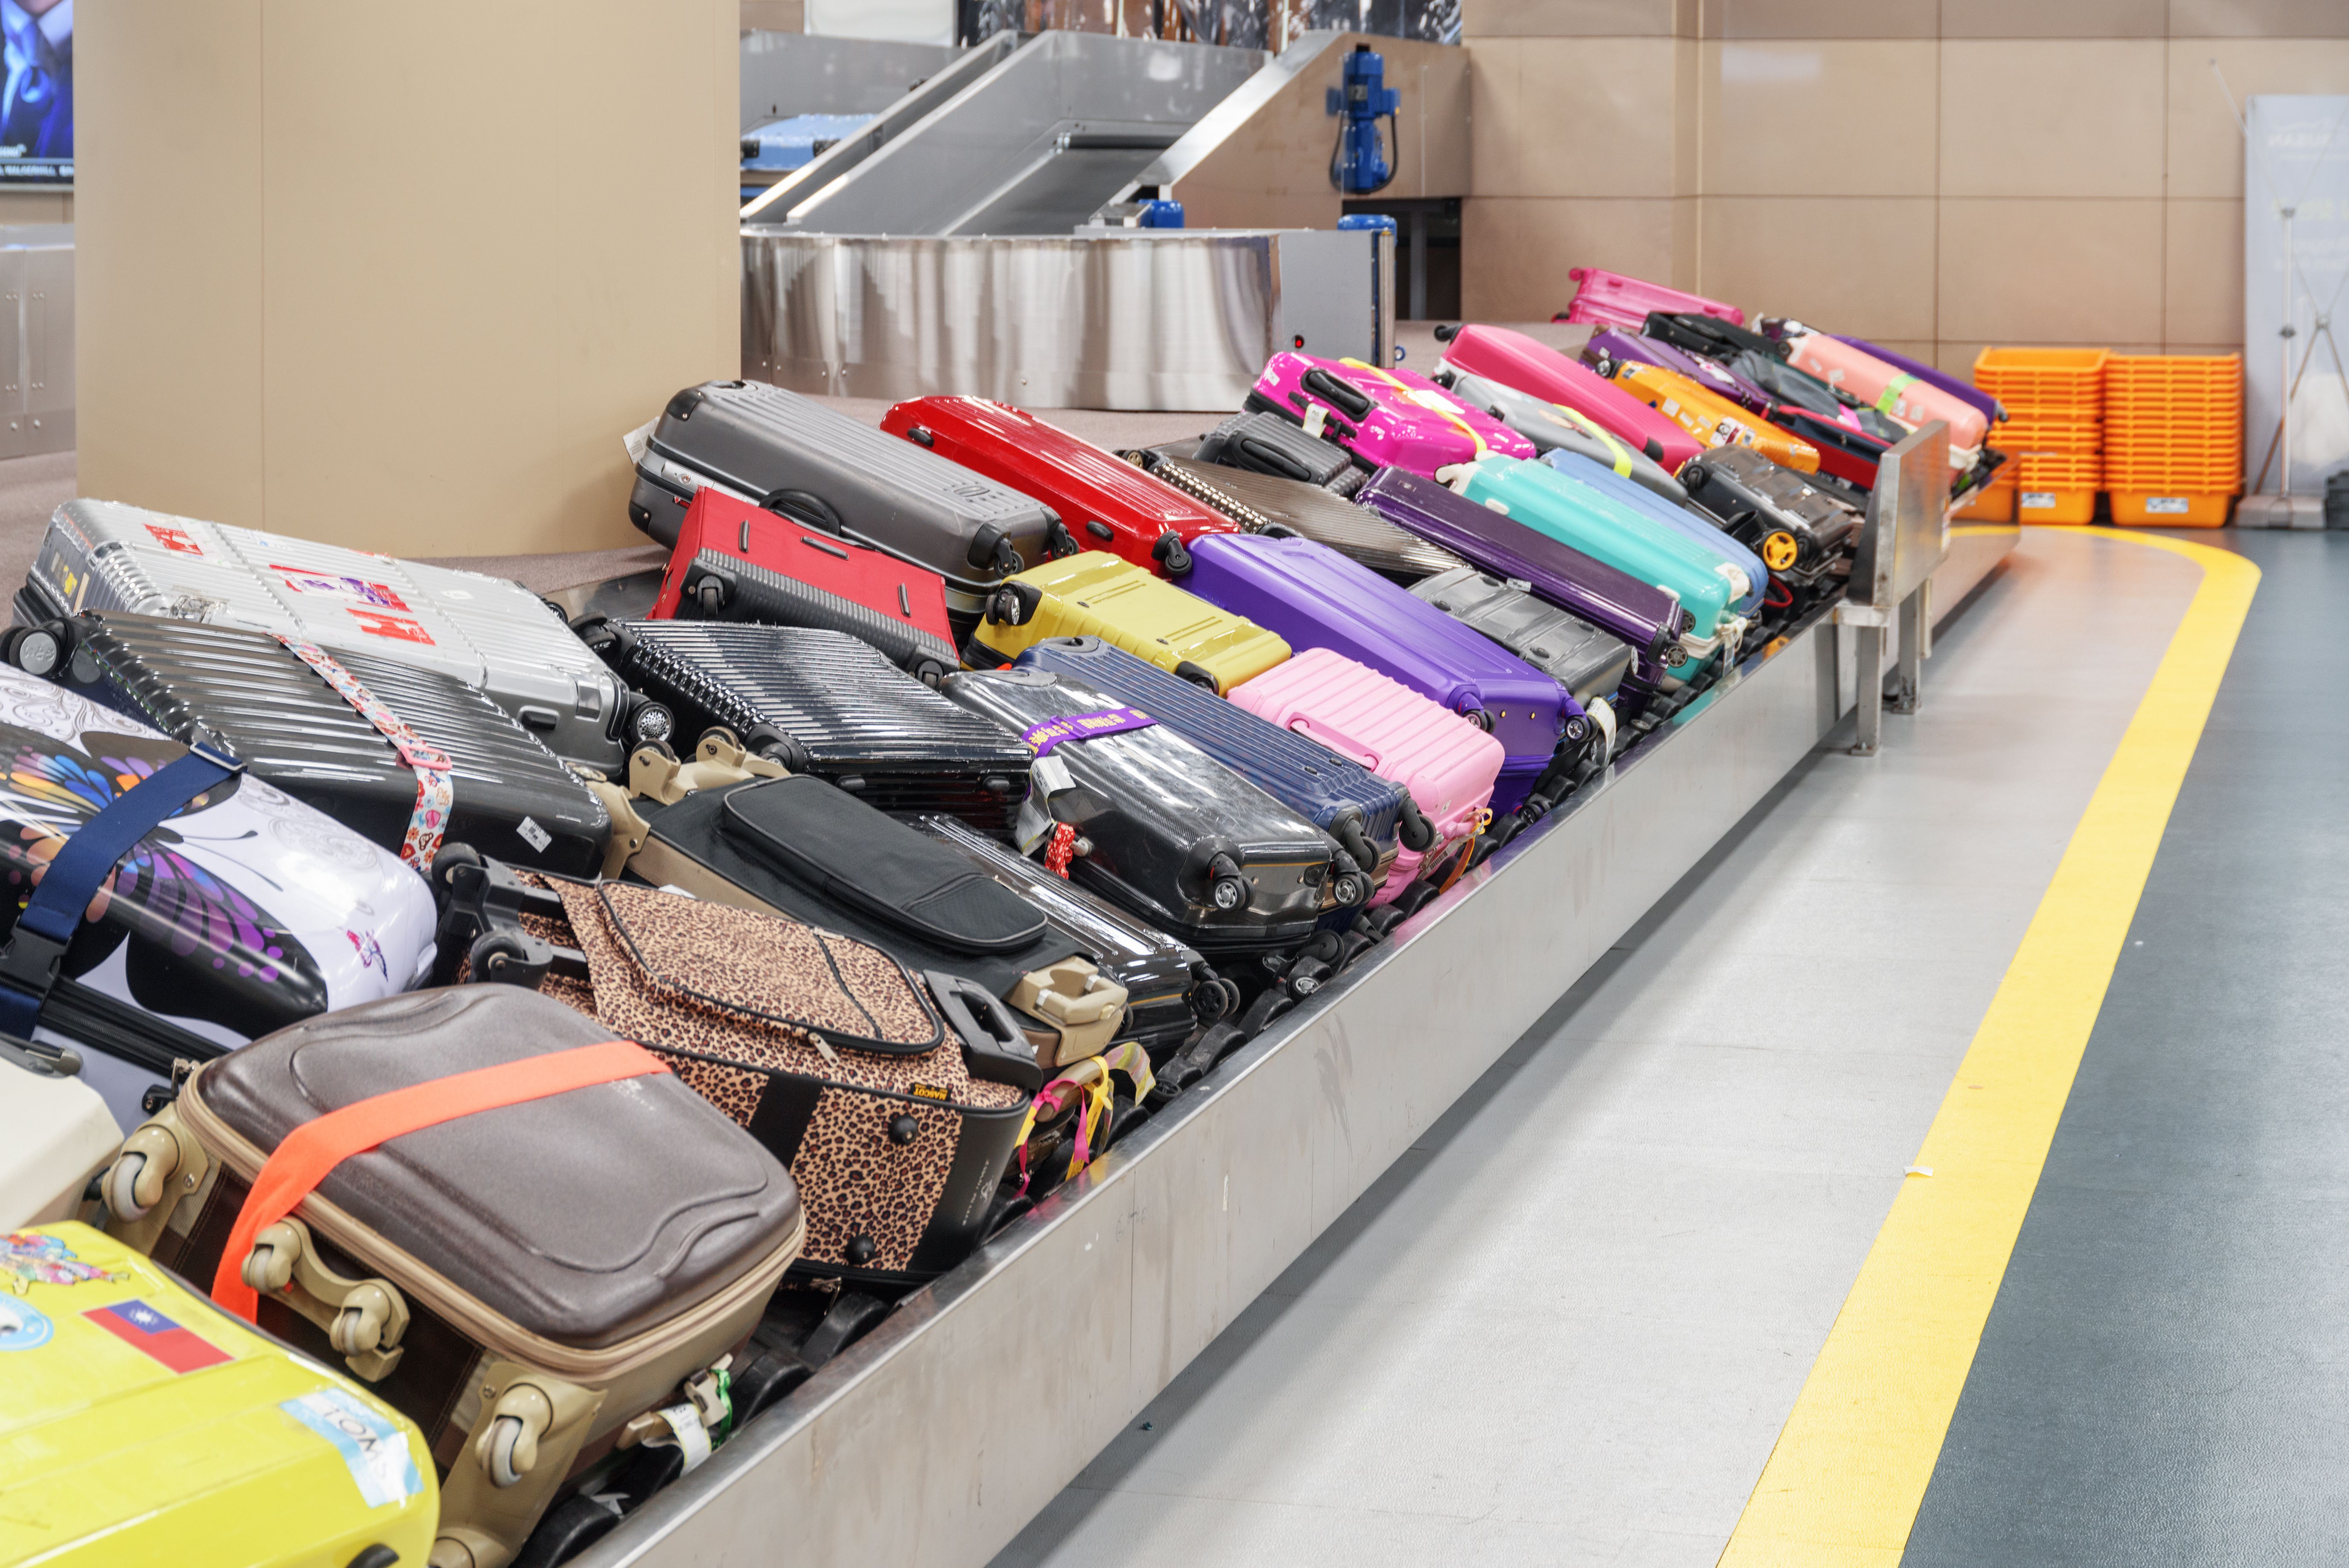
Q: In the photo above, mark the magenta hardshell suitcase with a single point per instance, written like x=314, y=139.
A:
x=1383, y=419
x=1449, y=765
x=1610, y=299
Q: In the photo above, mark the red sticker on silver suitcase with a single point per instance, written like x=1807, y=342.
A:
x=302, y=580
x=393, y=626
x=174, y=539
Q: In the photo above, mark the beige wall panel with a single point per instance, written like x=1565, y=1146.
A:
x=1517, y=252
x=1860, y=265
x=1567, y=19
x=2259, y=19
x=1574, y=117
x=1688, y=117
x=1274, y=170
x=1822, y=18
x=2086, y=272
x=1688, y=243
x=2052, y=117
x=2054, y=19
x=167, y=279
x=412, y=287
x=2203, y=284
x=35, y=207
x=1956, y=359
x=2205, y=149
x=1792, y=118
x=774, y=15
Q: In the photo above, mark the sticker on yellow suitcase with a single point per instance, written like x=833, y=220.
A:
x=140, y=1424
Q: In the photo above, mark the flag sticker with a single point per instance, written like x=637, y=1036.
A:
x=374, y=1449
x=152, y=1334
x=174, y=539
x=376, y=624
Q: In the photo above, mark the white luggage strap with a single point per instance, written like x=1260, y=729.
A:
x=430, y=818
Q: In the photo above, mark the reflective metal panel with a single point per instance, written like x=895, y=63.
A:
x=1112, y=318
x=802, y=73
x=1908, y=528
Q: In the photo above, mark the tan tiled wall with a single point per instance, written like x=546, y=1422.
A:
x=1935, y=174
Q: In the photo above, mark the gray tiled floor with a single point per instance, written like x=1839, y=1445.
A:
x=1567, y=1326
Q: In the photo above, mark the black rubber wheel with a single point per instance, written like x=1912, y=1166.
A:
x=448, y=857
x=495, y=951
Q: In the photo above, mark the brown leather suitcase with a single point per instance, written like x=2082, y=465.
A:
x=896, y=1099
x=532, y=1284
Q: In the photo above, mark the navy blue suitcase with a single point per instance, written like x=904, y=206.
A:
x=1364, y=813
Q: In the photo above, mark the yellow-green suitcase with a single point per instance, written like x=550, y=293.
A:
x=1096, y=594
x=139, y=1424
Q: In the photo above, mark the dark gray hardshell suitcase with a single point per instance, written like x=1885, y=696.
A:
x=1363, y=812
x=1266, y=443
x=1169, y=986
x=1171, y=833
x=1753, y=498
x=795, y=456
x=246, y=694
x=1571, y=651
x=1264, y=503
x=823, y=702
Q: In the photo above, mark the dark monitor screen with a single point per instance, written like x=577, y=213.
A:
x=36, y=132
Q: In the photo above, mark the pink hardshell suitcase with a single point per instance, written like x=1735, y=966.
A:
x=1447, y=763
x=1610, y=299
x=1538, y=370
x=1904, y=396
x=1383, y=421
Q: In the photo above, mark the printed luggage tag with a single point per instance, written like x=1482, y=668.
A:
x=1051, y=775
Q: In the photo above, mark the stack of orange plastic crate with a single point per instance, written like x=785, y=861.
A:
x=2174, y=438
x=2053, y=434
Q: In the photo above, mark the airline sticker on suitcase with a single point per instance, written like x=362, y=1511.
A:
x=174, y=539
x=302, y=580
x=374, y=1451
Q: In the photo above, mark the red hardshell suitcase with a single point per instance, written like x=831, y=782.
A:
x=1103, y=504
x=735, y=562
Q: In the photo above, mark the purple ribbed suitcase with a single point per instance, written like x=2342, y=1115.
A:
x=1313, y=596
x=1640, y=613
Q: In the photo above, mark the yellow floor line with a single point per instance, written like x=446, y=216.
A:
x=1844, y=1483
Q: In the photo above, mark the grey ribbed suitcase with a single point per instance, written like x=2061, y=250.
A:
x=1263, y=502
x=485, y=631
x=1571, y=651
x=793, y=456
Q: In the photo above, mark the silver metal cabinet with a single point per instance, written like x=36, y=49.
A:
x=36, y=338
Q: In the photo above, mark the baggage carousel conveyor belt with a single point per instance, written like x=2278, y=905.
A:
x=936, y=1437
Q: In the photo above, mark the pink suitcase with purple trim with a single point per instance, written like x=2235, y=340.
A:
x=1538, y=370
x=1610, y=299
x=1447, y=764
x=1382, y=420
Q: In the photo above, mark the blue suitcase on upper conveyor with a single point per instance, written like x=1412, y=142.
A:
x=1315, y=598
x=1365, y=814
x=1679, y=519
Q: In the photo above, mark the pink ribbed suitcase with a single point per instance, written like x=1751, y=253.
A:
x=1448, y=763
x=1610, y=299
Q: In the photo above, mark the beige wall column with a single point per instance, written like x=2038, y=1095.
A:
x=399, y=276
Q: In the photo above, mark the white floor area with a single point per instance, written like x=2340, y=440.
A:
x=1566, y=1327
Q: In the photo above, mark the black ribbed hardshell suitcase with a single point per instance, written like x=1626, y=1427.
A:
x=290, y=713
x=1266, y=443
x=1800, y=531
x=1264, y=503
x=1571, y=651
x=793, y=456
x=1165, y=830
x=823, y=702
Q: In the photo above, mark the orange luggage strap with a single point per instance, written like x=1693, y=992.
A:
x=315, y=1148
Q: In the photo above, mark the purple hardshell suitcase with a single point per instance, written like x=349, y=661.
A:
x=1640, y=613
x=1315, y=598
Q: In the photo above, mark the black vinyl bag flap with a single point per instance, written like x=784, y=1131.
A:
x=827, y=839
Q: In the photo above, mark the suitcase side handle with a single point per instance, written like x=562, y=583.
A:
x=1344, y=745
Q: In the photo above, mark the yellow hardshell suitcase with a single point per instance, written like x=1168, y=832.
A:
x=140, y=1425
x=1713, y=419
x=1096, y=594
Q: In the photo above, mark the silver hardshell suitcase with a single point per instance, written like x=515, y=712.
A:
x=816, y=465
x=1571, y=651
x=485, y=631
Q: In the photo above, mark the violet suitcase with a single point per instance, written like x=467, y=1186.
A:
x=1264, y=503
x=823, y=702
x=1647, y=618
x=1802, y=531
x=484, y=631
x=293, y=721
x=737, y=562
x=523, y=1282
x=1365, y=814
x=1448, y=765
x=1571, y=651
x=1324, y=600
x=1269, y=444
x=1170, y=989
x=790, y=454
x=1169, y=832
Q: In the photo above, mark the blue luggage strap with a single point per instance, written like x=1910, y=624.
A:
x=29, y=963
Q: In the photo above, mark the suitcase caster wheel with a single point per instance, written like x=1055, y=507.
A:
x=499, y=1460
x=1349, y=890
x=496, y=954
x=711, y=594
x=1227, y=888
x=1214, y=999
x=123, y=1187
x=1198, y=675
x=1169, y=553
x=34, y=650
x=929, y=672
x=1481, y=719
x=650, y=724
x=450, y=860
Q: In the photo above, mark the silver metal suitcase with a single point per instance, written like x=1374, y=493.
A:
x=485, y=631
x=816, y=465
x=1571, y=651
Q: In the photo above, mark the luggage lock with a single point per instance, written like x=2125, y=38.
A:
x=364, y=1319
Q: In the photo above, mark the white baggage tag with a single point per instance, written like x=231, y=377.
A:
x=1315, y=416
x=692, y=1436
